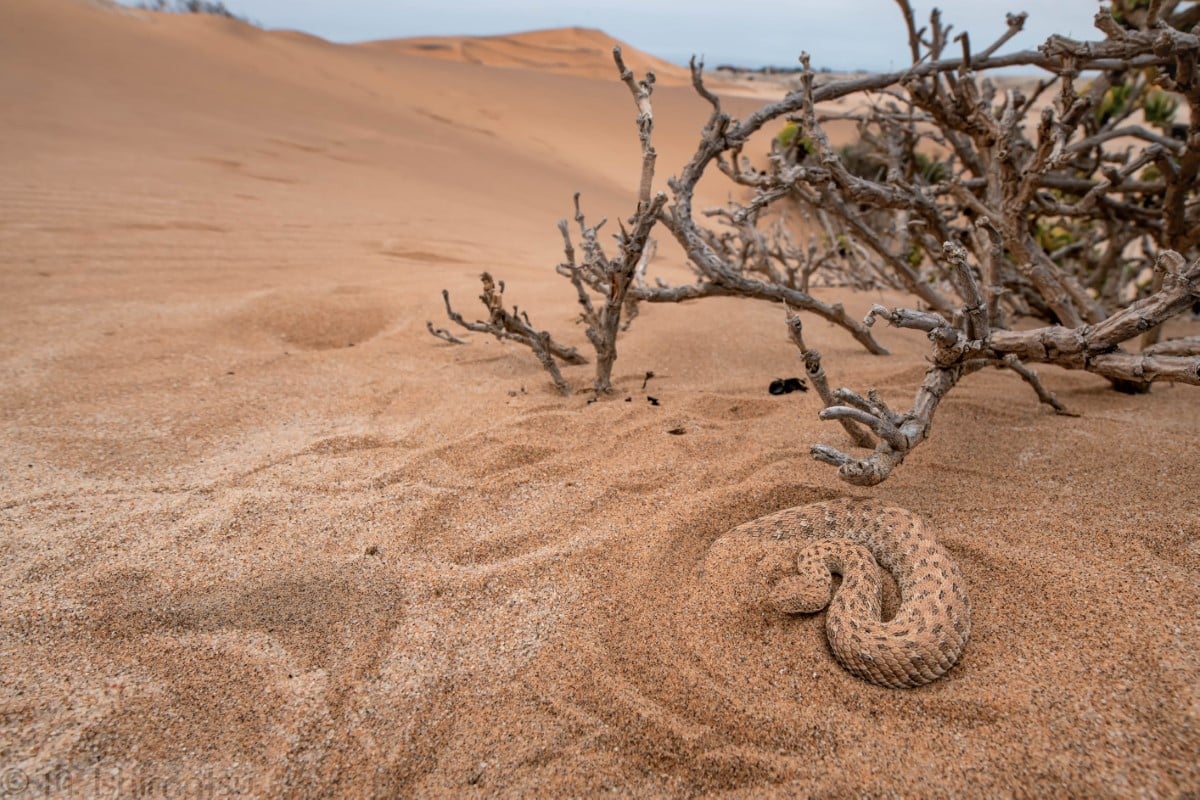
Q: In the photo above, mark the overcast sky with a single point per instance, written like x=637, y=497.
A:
x=840, y=34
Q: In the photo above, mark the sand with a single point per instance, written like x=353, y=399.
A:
x=261, y=534
x=584, y=52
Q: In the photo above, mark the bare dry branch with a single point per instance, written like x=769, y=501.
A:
x=443, y=334
x=1029, y=376
x=956, y=353
x=515, y=326
x=816, y=376
x=1185, y=346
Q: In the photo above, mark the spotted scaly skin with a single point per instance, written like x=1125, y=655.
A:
x=855, y=539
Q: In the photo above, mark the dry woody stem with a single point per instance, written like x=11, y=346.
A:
x=515, y=326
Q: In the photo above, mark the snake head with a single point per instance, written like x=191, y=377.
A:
x=791, y=592
x=799, y=594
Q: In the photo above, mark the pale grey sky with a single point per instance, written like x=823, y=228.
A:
x=840, y=34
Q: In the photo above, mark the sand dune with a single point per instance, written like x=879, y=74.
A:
x=260, y=533
x=584, y=52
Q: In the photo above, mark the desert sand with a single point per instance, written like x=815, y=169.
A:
x=261, y=534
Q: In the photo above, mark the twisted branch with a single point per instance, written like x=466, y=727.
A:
x=966, y=345
x=515, y=326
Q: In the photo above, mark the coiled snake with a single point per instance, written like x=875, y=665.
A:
x=854, y=539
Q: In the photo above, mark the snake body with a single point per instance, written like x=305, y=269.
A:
x=855, y=539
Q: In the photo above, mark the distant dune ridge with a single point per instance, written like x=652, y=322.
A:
x=585, y=52
x=260, y=534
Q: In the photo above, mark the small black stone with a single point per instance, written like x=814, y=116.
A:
x=787, y=386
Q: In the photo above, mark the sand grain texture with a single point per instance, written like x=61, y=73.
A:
x=260, y=533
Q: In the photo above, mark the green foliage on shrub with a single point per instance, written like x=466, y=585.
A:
x=930, y=169
x=787, y=137
x=1160, y=108
x=1051, y=236
x=1114, y=102
x=915, y=256
x=213, y=7
x=1124, y=11
x=861, y=159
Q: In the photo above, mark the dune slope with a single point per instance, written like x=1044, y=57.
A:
x=261, y=534
x=583, y=52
